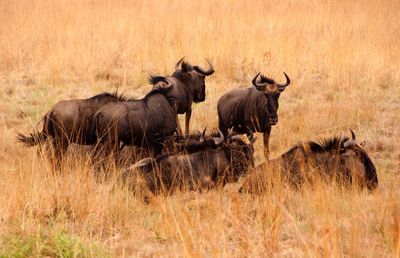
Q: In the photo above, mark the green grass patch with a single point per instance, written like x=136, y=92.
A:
x=58, y=244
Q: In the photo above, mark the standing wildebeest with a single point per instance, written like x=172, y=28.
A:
x=136, y=122
x=252, y=108
x=337, y=158
x=189, y=86
x=70, y=121
x=215, y=165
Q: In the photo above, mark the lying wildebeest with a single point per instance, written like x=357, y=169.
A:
x=338, y=159
x=252, y=108
x=186, y=144
x=215, y=165
x=189, y=86
x=136, y=122
x=70, y=121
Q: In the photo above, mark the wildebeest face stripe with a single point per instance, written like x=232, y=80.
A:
x=370, y=169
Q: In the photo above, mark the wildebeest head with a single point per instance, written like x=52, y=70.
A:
x=194, y=78
x=239, y=153
x=356, y=159
x=347, y=157
x=271, y=91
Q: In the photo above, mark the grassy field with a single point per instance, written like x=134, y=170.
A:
x=343, y=59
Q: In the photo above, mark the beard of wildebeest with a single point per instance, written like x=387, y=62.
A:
x=337, y=159
x=189, y=86
x=252, y=109
x=70, y=121
x=213, y=166
x=135, y=122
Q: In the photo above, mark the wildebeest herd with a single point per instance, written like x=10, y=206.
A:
x=173, y=160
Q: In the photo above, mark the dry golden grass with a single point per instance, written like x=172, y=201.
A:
x=342, y=56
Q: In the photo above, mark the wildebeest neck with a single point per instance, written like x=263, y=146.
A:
x=370, y=170
x=111, y=96
x=254, y=111
x=185, y=80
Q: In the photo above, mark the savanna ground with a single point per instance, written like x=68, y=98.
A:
x=343, y=59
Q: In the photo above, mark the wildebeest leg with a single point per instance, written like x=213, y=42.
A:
x=187, y=121
x=179, y=125
x=266, y=143
x=97, y=153
x=179, y=129
x=60, y=145
x=114, y=146
x=222, y=127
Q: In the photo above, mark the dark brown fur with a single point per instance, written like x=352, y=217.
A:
x=328, y=160
x=213, y=166
x=70, y=121
x=189, y=86
x=135, y=122
x=252, y=108
x=186, y=144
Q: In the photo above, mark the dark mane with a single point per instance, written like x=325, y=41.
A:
x=122, y=96
x=153, y=79
x=116, y=95
x=324, y=145
x=329, y=144
x=101, y=95
x=265, y=79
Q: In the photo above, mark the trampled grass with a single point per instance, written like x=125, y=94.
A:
x=343, y=59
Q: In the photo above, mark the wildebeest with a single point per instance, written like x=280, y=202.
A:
x=338, y=159
x=214, y=166
x=189, y=86
x=252, y=108
x=187, y=144
x=70, y=121
x=136, y=122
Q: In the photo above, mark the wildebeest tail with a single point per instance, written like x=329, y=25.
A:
x=36, y=137
x=33, y=138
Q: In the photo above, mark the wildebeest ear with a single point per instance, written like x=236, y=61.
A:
x=236, y=137
x=163, y=86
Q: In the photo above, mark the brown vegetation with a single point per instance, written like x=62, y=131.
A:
x=342, y=58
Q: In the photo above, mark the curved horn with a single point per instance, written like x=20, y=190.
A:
x=202, y=71
x=259, y=86
x=353, y=135
x=236, y=137
x=219, y=140
x=230, y=131
x=283, y=86
x=349, y=143
x=141, y=163
x=179, y=63
x=203, y=134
